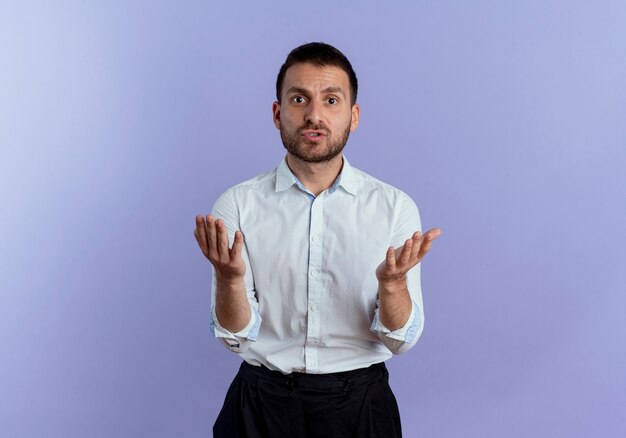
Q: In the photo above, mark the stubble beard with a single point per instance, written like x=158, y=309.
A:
x=300, y=148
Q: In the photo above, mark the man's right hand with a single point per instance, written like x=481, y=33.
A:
x=231, y=303
x=212, y=238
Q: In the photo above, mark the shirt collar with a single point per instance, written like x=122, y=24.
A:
x=347, y=179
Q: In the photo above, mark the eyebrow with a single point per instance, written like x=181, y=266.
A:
x=336, y=90
x=327, y=90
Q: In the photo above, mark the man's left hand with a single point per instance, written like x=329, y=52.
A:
x=392, y=271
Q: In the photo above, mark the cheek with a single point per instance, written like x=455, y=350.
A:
x=286, y=119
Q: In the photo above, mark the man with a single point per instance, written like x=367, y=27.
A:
x=326, y=285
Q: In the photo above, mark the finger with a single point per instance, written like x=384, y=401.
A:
x=425, y=248
x=200, y=232
x=405, y=255
x=222, y=241
x=211, y=238
x=417, y=242
x=391, y=258
x=433, y=233
x=427, y=242
x=235, y=252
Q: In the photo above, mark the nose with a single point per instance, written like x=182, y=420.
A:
x=314, y=113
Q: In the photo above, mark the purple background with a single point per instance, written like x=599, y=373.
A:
x=120, y=121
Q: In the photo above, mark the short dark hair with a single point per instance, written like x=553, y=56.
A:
x=320, y=55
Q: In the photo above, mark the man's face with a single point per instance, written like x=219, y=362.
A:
x=315, y=116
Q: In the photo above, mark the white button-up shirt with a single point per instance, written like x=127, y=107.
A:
x=311, y=270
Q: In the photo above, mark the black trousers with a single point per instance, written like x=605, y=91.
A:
x=261, y=403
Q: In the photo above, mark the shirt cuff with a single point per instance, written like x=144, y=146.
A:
x=249, y=332
x=406, y=333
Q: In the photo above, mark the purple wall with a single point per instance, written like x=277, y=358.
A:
x=504, y=120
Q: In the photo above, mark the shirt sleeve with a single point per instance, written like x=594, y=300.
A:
x=402, y=339
x=225, y=208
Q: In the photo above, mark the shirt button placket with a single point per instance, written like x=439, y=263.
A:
x=315, y=283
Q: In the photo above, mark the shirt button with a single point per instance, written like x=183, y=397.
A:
x=315, y=238
x=314, y=273
x=313, y=308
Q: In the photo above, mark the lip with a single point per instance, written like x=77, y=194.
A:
x=308, y=135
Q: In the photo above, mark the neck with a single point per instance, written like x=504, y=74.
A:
x=316, y=177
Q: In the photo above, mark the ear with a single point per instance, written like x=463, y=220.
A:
x=356, y=117
x=276, y=114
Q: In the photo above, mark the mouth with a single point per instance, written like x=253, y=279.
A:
x=314, y=135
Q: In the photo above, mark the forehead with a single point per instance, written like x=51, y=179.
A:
x=315, y=78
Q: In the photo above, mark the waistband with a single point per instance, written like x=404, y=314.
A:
x=341, y=381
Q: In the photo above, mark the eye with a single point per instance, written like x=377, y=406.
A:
x=298, y=99
x=333, y=101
